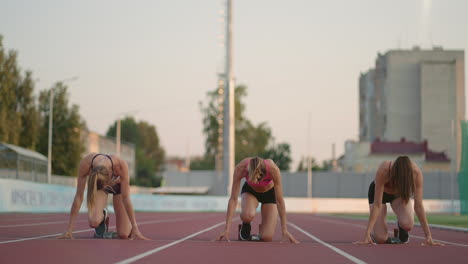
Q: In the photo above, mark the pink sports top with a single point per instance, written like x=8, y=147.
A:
x=264, y=181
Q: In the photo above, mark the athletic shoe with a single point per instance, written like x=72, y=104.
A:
x=103, y=226
x=373, y=238
x=244, y=231
x=403, y=235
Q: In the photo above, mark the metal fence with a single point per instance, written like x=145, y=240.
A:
x=13, y=166
x=437, y=185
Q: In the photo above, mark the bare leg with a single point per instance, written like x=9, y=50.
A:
x=380, y=230
x=248, y=206
x=404, y=213
x=122, y=221
x=96, y=214
x=269, y=219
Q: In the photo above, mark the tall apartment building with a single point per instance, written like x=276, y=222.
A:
x=417, y=95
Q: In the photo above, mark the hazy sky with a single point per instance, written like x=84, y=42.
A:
x=160, y=57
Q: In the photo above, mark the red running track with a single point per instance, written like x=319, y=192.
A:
x=188, y=237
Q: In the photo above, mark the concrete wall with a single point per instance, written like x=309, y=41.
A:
x=423, y=92
x=367, y=106
x=402, y=97
x=438, y=104
x=23, y=196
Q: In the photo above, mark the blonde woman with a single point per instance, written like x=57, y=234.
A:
x=104, y=175
x=262, y=185
x=395, y=183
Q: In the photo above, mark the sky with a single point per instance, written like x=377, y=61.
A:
x=156, y=60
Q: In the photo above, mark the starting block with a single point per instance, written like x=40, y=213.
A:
x=394, y=239
x=108, y=235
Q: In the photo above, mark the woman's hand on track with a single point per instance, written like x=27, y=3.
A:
x=223, y=236
x=288, y=237
x=136, y=234
x=66, y=235
x=430, y=242
x=367, y=240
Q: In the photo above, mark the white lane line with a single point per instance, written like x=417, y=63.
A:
x=91, y=229
x=441, y=241
x=44, y=223
x=39, y=237
x=147, y=253
x=391, y=233
x=29, y=218
x=38, y=224
x=337, y=250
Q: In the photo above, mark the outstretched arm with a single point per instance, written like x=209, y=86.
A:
x=419, y=208
x=276, y=174
x=232, y=204
x=125, y=189
x=83, y=171
x=376, y=208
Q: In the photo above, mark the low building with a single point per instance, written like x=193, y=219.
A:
x=22, y=164
x=366, y=156
x=177, y=164
x=93, y=142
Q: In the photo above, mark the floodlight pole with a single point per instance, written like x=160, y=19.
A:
x=229, y=118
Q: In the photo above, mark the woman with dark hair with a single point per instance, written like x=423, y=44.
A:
x=262, y=185
x=396, y=183
x=105, y=175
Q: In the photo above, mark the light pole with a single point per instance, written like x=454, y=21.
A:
x=229, y=107
x=309, y=160
x=117, y=143
x=118, y=130
x=51, y=113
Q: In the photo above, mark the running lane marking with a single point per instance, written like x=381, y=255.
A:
x=38, y=224
x=51, y=217
x=91, y=229
x=390, y=232
x=147, y=253
x=337, y=250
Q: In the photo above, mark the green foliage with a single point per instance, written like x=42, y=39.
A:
x=67, y=124
x=149, y=153
x=250, y=140
x=24, y=123
x=202, y=163
x=19, y=118
x=326, y=165
x=281, y=154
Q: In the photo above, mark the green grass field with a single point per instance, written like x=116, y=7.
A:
x=437, y=219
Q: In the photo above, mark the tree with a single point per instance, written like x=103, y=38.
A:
x=67, y=123
x=250, y=140
x=29, y=129
x=150, y=144
x=281, y=154
x=19, y=118
x=202, y=163
x=149, y=153
x=326, y=165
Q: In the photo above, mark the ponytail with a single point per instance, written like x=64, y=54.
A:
x=256, y=169
x=97, y=173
